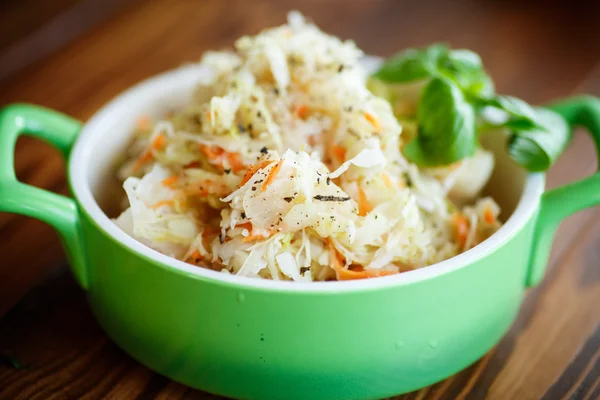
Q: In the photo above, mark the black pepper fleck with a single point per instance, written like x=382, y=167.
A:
x=353, y=133
x=288, y=199
x=330, y=198
x=264, y=150
x=409, y=181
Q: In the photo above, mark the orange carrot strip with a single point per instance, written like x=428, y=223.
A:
x=387, y=180
x=235, y=162
x=143, y=159
x=253, y=169
x=338, y=152
x=170, y=181
x=462, y=229
x=163, y=203
x=302, y=111
x=193, y=164
x=245, y=225
x=159, y=142
x=196, y=255
x=252, y=237
x=364, y=207
x=373, y=121
x=212, y=153
x=488, y=216
x=345, y=274
x=272, y=174
x=216, y=154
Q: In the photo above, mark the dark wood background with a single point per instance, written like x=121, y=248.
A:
x=74, y=55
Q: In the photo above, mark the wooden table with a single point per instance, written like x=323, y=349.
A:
x=74, y=55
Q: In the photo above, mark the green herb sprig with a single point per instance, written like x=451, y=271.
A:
x=456, y=92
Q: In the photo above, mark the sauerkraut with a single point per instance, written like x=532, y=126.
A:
x=285, y=166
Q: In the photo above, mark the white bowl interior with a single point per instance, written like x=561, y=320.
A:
x=92, y=170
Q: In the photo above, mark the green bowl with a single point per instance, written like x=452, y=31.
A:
x=257, y=339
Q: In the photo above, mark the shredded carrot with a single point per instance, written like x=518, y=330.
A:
x=345, y=274
x=373, y=121
x=143, y=159
x=253, y=169
x=159, y=142
x=272, y=174
x=216, y=155
x=488, y=216
x=196, y=255
x=163, y=203
x=302, y=111
x=387, y=180
x=338, y=152
x=462, y=229
x=170, y=181
x=235, y=162
x=193, y=164
x=364, y=207
x=252, y=237
x=212, y=153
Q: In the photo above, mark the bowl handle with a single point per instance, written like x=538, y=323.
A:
x=559, y=203
x=15, y=197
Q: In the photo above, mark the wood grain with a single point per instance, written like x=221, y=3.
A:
x=30, y=36
x=536, y=52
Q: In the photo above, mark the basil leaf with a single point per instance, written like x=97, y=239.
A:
x=446, y=126
x=537, y=148
x=522, y=115
x=465, y=68
x=412, y=64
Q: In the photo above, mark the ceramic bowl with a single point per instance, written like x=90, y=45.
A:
x=259, y=339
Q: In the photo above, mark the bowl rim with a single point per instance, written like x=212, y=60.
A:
x=78, y=167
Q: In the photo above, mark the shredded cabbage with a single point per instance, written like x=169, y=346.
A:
x=285, y=166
